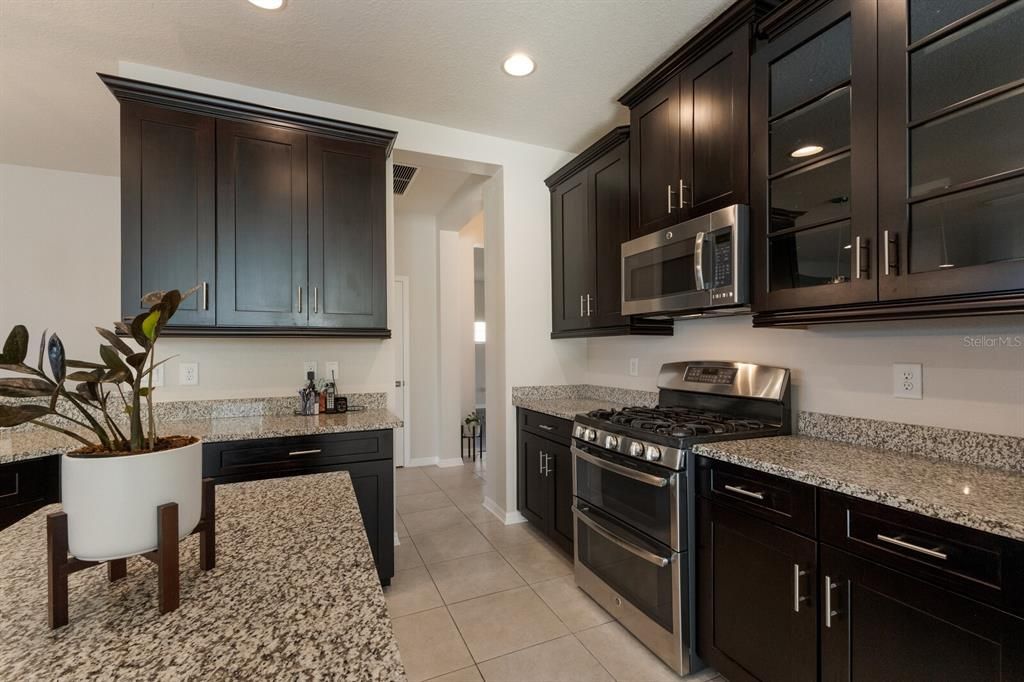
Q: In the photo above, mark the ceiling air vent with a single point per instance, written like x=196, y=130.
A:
x=403, y=177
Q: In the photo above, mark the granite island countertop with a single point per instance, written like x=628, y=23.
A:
x=22, y=444
x=984, y=498
x=295, y=594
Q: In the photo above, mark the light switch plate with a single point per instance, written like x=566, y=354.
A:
x=188, y=373
x=634, y=367
x=906, y=380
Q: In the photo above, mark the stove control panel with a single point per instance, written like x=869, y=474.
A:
x=710, y=375
x=652, y=453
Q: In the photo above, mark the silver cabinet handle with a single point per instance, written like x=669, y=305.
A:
x=581, y=305
x=546, y=427
x=698, y=261
x=316, y=299
x=829, y=586
x=743, y=491
x=681, y=188
x=300, y=299
x=934, y=553
x=856, y=257
x=669, y=199
x=588, y=305
x=650, y=557
x=297, y=453
x=797, y=574
x=649, y=479
x=206, y=296
x=885, y=240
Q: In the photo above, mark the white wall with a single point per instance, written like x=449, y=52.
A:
x=847, y=369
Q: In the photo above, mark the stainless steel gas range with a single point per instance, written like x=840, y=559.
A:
x=633, y=482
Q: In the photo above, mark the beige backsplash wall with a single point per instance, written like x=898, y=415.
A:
x=847, y=369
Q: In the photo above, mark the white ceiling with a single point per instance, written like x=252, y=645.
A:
x=432, y=60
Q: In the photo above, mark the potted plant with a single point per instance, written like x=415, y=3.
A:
x=112, y=484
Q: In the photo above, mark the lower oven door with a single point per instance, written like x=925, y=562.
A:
x=644, y=496
x=640, y=582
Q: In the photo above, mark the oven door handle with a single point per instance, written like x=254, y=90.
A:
x=649, y=557
x=649, y=479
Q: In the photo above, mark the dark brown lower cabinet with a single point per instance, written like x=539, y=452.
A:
x=366, y=455
x=756, y=609
x=545, y=478
x=885, y=625
x=27, y=486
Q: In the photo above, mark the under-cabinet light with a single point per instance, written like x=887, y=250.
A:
x=809, y=150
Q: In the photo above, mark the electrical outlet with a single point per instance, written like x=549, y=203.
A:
x=634, y=367
x=307, y=367
x=157, y=376
x=188, y=373
x=906, y=380
x=332, y=369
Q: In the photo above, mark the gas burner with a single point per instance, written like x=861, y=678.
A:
x=677, y=422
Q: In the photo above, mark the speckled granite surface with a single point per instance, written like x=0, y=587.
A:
x=18, y=444
x=970, y=447
x=295, y=595
x=569, y=400
x=988, y=499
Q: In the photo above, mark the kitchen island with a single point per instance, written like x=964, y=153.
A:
x=295, y=594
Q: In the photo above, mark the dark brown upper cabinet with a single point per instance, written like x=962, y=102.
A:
x=261, y=225
x=168, y=225
x=887, y=162
x=277, y=217
x=689, y=127
x=589, y=222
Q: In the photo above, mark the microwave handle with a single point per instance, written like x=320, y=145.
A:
x=698, y=261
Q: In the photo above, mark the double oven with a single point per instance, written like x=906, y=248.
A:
x=631, y=547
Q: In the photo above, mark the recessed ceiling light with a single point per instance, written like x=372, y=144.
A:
x=809, y=150
x=518, y=64
x=268, y=4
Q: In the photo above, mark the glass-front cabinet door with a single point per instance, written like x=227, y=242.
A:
x=951, y=147
x=813, y=100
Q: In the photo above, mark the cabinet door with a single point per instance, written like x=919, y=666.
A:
x=261, y=226
x=347, y=235
x=572, y=253
x=559, y=474
x=813, y=161
x=609, y=187
x=951, y=148
x=885, y=625
x=374, y=487
x=168, y=209
x=533, y=488
x=654, y=161
x=715, y=128
x=756, y=586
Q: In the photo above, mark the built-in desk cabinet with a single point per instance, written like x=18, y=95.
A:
x=277, y=217
x=798, y=583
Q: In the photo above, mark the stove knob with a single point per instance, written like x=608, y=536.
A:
x=611, y=442
x=652, y=453
x=579, y=431
x=590, y=435
x=636, y=450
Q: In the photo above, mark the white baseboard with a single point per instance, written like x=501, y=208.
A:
x=508, y=518
x=421, y=462
x=397, y=541
x=450, y=462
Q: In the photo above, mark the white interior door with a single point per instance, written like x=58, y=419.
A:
x=399, y=336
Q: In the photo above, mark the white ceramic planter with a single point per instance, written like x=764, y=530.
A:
x=111, y=502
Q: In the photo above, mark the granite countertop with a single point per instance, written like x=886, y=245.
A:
x=22, y=444
x=984, y=498
x=295, y=594
x=566, y=408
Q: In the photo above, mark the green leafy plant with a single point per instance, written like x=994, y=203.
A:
x=95, y=382
x=472, y=418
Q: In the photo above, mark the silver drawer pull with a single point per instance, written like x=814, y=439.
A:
x=296, y=453
x=743, y=491
x=546, y=427
x=916, y=548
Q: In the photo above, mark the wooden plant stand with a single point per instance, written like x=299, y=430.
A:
x=165, y=556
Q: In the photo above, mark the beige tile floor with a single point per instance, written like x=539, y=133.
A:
x=473, y=599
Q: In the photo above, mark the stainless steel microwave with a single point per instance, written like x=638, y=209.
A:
x=698, y=266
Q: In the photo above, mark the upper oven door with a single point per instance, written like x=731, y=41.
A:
x=645, y=497
x=662, y=272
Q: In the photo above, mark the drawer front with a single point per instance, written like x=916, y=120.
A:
x=789, y=504
x=284, y=454
x=986, y=567
x=22, y=482
x=545, y=425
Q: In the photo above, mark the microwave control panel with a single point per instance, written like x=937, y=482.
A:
x=721, y=264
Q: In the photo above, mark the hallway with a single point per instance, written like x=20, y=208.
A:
x=475, y=599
